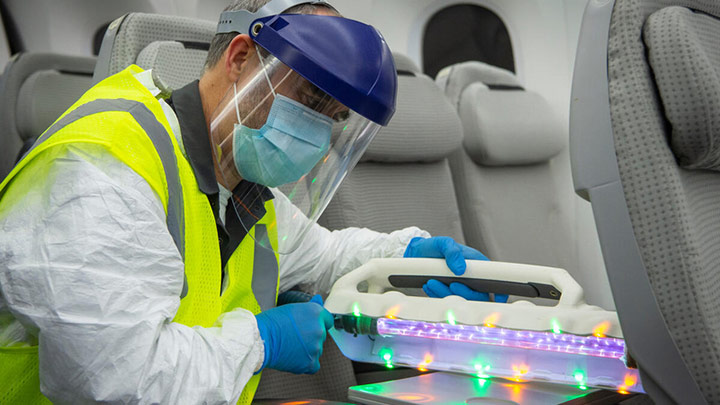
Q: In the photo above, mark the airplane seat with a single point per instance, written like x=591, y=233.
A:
x=173, y=46
x=644, y=147
x=35, y=89
x=404, y=178
x=176, y=48
x=173, y=63
x=513, y=184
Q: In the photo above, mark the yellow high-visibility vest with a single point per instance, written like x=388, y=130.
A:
x=121, y=117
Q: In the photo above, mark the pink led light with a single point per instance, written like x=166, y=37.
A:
x=554, y=342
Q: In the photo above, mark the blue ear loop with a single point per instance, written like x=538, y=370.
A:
x=292, y=141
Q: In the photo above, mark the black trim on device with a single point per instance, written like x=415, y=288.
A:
x=505, y=87
x=529, y=289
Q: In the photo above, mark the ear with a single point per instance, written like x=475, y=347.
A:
x=237, y=54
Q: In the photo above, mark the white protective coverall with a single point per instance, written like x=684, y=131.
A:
x=86, y=258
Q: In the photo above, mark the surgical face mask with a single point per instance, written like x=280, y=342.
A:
x=291, y=142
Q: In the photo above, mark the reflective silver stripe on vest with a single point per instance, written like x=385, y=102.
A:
x=265, y=270
x=163, y=145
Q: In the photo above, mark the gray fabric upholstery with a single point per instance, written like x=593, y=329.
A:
x=509, y=127
x=681, y=41
x=37, y=110
x=425, y=127
x=173, y=64
x=389, y=196
x=674, y=212
x=520, y=214
x=135, y=31
x=34, y=91
x=517, y=213
x=404, y=178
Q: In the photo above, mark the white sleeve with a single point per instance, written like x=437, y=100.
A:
x=87, y=262
x=323, y=255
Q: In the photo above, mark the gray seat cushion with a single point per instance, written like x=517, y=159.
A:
x=684, y=53
x=129, y=35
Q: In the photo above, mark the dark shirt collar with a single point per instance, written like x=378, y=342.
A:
x=188, y=108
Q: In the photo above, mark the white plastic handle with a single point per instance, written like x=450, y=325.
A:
x=377, y=272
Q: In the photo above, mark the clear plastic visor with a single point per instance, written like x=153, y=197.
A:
x=276, y=129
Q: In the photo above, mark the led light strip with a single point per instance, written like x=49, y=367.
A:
x=548, y=341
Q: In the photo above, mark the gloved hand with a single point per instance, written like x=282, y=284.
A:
x=293, y=335
x=443, y=247
x=455, y=255
x=438, y=289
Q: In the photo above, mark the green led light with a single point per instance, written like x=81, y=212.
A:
x=284, y=238
x=556, y=326
x=579, y=376
x=482, y=387
x=481, y=370
x=356, y=309
x=345, y=129
x=314, y=180
x=582, y=387
x=451, y=318
x=371, y=388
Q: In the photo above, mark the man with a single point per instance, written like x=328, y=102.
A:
x=128, y=270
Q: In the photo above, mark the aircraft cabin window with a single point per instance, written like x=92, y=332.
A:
x=463, y=33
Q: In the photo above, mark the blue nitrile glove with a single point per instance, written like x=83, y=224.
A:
x=438, y=289
x=293, y=335
x=443, y=247
x=455, y=255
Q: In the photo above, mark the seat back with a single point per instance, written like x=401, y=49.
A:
x=644, y=142
x=512, y=175
x=35, y=89
x=404, y=178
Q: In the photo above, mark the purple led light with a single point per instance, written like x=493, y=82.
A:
x=554, y=342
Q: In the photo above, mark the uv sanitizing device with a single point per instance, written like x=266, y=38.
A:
x=379, y=320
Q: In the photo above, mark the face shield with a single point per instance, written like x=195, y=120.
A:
x=301, y=114
x=275, y=128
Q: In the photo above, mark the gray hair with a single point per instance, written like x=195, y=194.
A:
x=220, y=42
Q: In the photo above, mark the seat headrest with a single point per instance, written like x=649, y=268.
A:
x=174, y=64
x=405, y=64
x=683, y=55
x=28, y=80
x=425, y=127
x=455, y=78
x=127, y=36
x=504, y=124
x=37, y=111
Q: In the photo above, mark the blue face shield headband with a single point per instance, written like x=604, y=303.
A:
x=291, y=142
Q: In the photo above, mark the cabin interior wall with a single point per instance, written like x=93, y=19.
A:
x=544, y=35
